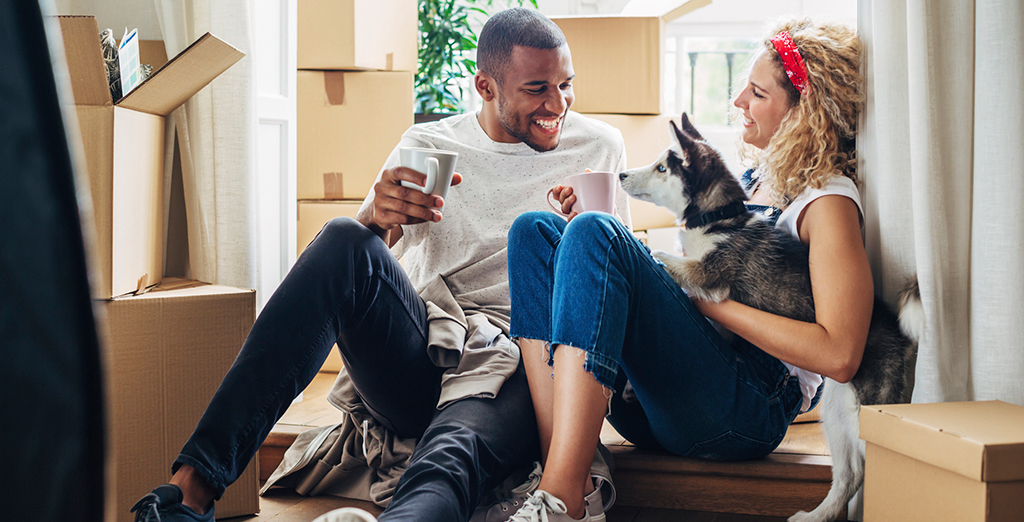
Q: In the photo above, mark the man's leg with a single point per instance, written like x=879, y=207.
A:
x=470, y=447
x=346, y=288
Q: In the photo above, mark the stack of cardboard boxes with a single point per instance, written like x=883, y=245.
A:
x=168, y=342
x=356, y=61
x=619, y=78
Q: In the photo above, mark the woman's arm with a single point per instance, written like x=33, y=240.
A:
x=843, y=298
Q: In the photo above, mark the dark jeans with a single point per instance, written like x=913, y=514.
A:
x=348, y=288
x=592, y=285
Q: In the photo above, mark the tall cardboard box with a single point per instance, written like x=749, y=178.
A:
x=124, y=149
x=617, y=59
x=954, y=461
x=168, y=351
x=358, y=34
x=348, y=124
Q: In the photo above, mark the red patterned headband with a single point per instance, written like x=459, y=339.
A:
x=792, y=62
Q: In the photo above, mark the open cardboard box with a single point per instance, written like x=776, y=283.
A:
x=617, y=59
x=956, y=461
x=358, y=35
x=123, y=142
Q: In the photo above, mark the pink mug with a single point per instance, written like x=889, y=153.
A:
x=594, y=191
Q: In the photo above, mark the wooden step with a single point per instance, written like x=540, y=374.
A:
x=797, y=476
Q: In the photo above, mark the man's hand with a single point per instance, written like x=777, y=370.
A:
x=395, y=205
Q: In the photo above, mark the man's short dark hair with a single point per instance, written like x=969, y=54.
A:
x=510, y=28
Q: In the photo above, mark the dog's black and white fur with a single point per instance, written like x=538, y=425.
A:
x=732, y=253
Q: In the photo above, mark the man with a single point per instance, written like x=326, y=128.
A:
x=464, y=404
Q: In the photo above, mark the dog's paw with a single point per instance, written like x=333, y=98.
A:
x=803, y=516
x=665, y=257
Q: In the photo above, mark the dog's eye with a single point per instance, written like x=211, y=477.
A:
x=661, y=168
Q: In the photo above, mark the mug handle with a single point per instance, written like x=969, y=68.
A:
x=432, y=167
x=554, y=204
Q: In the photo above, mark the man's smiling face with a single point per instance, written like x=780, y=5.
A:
x=535, y=95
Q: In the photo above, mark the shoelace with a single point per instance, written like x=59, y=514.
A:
x=146, y=508
x=538, y=507
x=522, y=491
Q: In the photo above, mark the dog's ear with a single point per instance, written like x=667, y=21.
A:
x=682, y=139
x=689, y=128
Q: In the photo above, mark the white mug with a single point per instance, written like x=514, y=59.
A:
x=593, y=191
x=438, y=165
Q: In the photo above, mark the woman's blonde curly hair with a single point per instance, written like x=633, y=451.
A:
x=816, y=139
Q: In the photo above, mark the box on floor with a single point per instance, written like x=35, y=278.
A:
x=167, y=352
x=348, y=124
x=358, y=34
x=618, y=59
x=123, y=142
x=956, y=461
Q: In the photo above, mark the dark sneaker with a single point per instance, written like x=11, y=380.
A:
x=164, y=505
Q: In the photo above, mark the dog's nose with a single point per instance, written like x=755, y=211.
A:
x=623, y=176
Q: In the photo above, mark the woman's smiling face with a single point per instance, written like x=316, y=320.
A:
x=764, y=102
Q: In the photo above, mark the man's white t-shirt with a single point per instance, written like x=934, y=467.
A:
x=500, y=182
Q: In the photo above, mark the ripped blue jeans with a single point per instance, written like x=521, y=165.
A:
x=592, y=285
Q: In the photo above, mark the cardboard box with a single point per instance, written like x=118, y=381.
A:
x=618, y=59
x=168, y=351
x=124, y=148
x=358, y=35
x=348, y=124
x=956, y=461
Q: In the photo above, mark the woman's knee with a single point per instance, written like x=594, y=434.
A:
x=595, y=224
x=534, y=228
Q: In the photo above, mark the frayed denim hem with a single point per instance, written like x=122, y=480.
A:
x=602, y=367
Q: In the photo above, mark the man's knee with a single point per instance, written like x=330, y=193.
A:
x=344, y=234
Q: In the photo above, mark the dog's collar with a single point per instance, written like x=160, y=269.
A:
x=706, y=218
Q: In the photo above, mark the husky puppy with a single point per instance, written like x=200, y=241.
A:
x=733, y=253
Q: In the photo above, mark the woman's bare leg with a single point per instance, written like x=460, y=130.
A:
x=538, y=374
x=578, y=408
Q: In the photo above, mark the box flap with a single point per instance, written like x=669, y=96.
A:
x=183, y=76
x=85, y=60
x=667, y=9
x=983, y=440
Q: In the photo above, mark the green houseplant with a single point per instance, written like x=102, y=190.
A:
x=446, y=42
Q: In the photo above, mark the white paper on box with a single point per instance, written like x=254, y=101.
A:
x=128, y=61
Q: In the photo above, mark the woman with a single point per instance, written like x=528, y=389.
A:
x=589, y=300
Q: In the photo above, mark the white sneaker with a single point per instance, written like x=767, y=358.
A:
x=501, y=511
x=594, y=503
x=349, y=514
x=544, y=507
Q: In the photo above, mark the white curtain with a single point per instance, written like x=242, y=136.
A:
x=216, y=133
x=942, y=157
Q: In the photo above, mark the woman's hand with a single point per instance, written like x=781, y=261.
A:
x=566, y=199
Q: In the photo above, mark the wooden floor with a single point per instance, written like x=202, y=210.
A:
x=703, y=486
x=280, y=505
